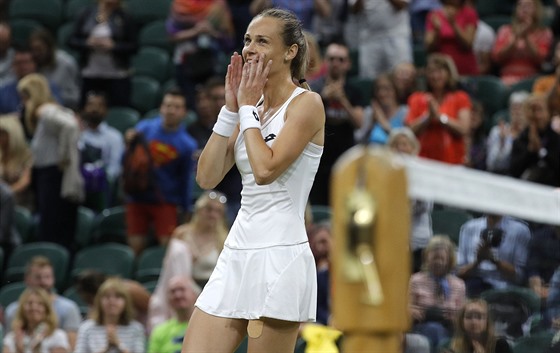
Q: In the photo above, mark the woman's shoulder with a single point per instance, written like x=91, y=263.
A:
x=307, y=101
x=135, y=326
x=87, y=325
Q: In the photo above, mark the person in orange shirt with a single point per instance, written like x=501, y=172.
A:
x=440, y=116
x=550, y=85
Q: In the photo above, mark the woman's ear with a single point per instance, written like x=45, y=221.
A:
x=291, y=52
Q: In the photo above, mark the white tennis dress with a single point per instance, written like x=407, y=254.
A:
x=266, y=268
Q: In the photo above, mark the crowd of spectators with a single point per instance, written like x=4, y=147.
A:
x=448, y=80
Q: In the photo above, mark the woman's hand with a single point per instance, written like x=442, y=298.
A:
x=253, y=80
x=534, y=139
x=233, y=79
x=112, y=337
x=478, y=348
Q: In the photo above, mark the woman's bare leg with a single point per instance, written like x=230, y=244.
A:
x=277, y=336
x=207, y=333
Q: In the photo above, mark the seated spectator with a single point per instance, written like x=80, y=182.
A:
x=403, y=140
x=535, y=155
x=543, y=258
x=522, y=46
x=16, y=160
x=501, y=136
x=440, y=117
x=492, y=253
x=451, y=30
x=101, y=148
x=435, y=295
x=34, y=328
x=57, y=66
x=384, y=112
x=320, y=240
x=476, y=139
x=39, y=274
x=6, y=52
x=111, y=327
x=106, y=37
x=474, y=332
x=88, y=283
x=404, y=77
x=167, y=337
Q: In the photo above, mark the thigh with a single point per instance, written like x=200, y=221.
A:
x=165, y=219
x=278, y=336
x=208, y=333
x=137, y=219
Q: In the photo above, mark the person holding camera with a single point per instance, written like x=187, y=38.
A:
x=492, y=253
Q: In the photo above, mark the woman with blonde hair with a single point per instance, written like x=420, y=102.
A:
x=474, y=331
x=34, y=328
x=111, y=327
x=57, y=179
x=16, y=159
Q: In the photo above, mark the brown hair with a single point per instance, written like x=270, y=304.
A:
x=437, y=242
x=537, y=16
x=37, y=261
x=116, y=285
x=21, y=321
x=445, y=62
x=460, y=342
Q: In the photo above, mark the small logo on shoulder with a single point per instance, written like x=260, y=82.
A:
x=269, y=138
x=255, y=115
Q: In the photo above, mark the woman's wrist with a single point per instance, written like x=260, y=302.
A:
x=226, y=123
x=249, y=118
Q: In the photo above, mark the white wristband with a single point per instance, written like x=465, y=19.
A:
x=225, y=125
x=249, y=118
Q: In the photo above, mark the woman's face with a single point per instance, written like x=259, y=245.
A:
x=437, y=261
x=385, y=91
x=112, y=303
x=437, y=76
x=538, y=114
x=213, y=212
x=403, y=145
x=321, y=244
x=263, y=38
x=475, y=320
x=34, y=310
x=525, y=10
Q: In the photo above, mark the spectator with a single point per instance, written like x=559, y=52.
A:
x=552, y=315
x=419, y=10
x=106, y=37
x=305, y=10
x=172, y=151
x=111, y=327
x=435, y=295
x=384, y=38
x=57, y=66
x=404, y=77
x=320, y=240
x=522, y=46
x=6, y=52
x=101, y=148
x=167, y=337
x=16, y=160
x=9, y=238
x=440, y=117
x=543, y=259
x=475, y=140
x=35, y=326
x=403, y=140
x=56, y=174
x=492, y=253
x=451, y=30
x=384, y=112
x=474, y=331
x=550, y=85
x=535, y=154
x=88, y=283
x=483, y=43
x=202, y=32
x=39, y=274
x=343, y=115
x=501, y=136
x=330, y=28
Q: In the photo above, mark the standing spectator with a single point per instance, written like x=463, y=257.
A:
x=106, y=37
x=501, y=136
x=492, y=253
x=535, y=155
x=167, y=337
x=474, y=331
x=6, y=52
x=440, y=117
x=343, y=115
x=101, y=147
x=522, y=46
x=435, y=294
x=419, y=10
x=111, y=327
x=451, y=30
x=305, y=10
x=58, y=182
x=35, y=326
x=172, y=151
x=39, y=275
x=384, y=38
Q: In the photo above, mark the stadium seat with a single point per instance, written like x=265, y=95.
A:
x=487, y=7
x=122, y=118
x=73, y=8
x=146, y=11
x=63, y=35
x=523, y=85
x=152, y=62
x=10, y=293
x=448, y=222
x=321, y=213
x=57, y=254
x=84, y=227
x=365, y=86
x=150, y=286
x=535, y=343
x=109, y=258
x=22, y=29
x=154, y=34
x=489, y=90
x=149, y=264
x=110, y=225
x=146, y=93
x=25, y=224
x=419, y=55
x=354, y=59
x=72, y=294
x=46, y=12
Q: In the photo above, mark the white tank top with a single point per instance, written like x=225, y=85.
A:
x=273, y=214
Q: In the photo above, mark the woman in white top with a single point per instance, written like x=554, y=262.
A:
x=34, y=329
x=264, y=283
x=111, y=328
